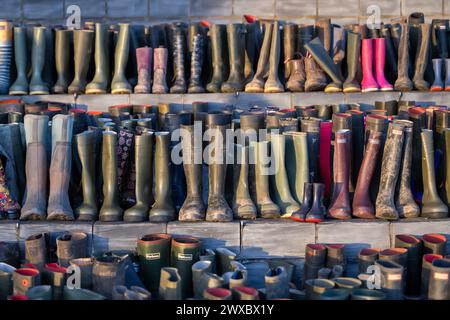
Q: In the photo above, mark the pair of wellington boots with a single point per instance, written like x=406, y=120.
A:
x=35, y=204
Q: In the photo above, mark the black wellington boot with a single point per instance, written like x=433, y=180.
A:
x=179, y=58
x=236, y=51
x=220, y=62
x=403, y=82
x=422, y=56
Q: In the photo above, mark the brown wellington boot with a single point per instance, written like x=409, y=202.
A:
x=316, y=79
x=71, y=245
x=193, y=208
x=159, y=70
x=273, y=84
x=390, y=167
x=362, y=204
x=297, y=78
x=340, y=207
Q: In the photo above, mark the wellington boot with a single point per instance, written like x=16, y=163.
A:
x=163, y=209
x=316, y=79
x=290, y=31
x=119, y=83
x=335, y=256
x=100, y=83
x=297, y=78
x=434, y=243
x=61, y=165
x=198, y=269
x=197, y=58
x=438, y=287
x=282, y=194
x=273, y=84
x=20, y=86
x=87, y=152
x=63, y=44
x=55, y=276
x=37, y=85
x=357, y=146
x=403, y=82
x=85, y=265
x=422, y=56
x=170, y=284
x=179, y=57
x=71, y=246
x=368, y=83
x=236, y=51
x=277, y=284
x=324, y=30
x=404, y=201
x=317, y=211
x=438, y=84
x=143, y=157
x=362, y=204
x=42, y=292
x=24, y=279
x=340, y=207
x=392, y=281
x=83, y=44
x=447, y=75
x=414, y=246
x=319, y=53
x=305, y=35
x=253, y=39
x=245, y=293
x=144, y=58
x=266, y=207
x=390, y=167
x=9, y=253
x=237, y=278
x=185, y=251
x=315, y=257
x=110, y=210
x=351, y=83
x=81, y=294
x=154, y=253
x=419, y=118
x=335, y=294
x=220, y=62
x=107, y=273
x=159, y=70
x=6, y=284
x=243, y=206
x=380, y=58
x=314, y=288
x=390, y=69
x=367, y=258
x=427, y=261
x=256, y=85
x=432, y=205
x=311, y=127
x=36, y=167
x=36, y=250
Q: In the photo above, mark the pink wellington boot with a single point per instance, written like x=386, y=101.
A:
x=368, y=82
x=380, y=54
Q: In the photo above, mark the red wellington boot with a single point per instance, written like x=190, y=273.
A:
x=380, y=56
x=368, y=82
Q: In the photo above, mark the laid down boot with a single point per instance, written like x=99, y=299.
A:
x=403, y=82
x=159, y=70
x=197, y=58
x=36, y=168
x=380, y=57
x=119, y=83
x=390, y=167
x=144, y=58
x=179, y=52
x=236, y=51
x=316, y=79
x=20, y=86
x=422, y=55
x=61, y=165
x=273, y=84
x=62, y=60
x=219, y=49
x=37, y=85
x=193, y=208
x=100, y=83
x=83, y=43
x=163, y=209
x=353, y=52
x=438, y=84
x=143, y=157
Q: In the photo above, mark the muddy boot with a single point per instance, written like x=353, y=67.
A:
x=36, y=250
x=432, y=205
x=362, y=204
x=24, y=279
x=266, y=207
x=100, y=83
x=403, y=83
x=197, y=58
x=71, y=246
x=351, y=84
x=20, y=86
x=144, y=57
x=110, y=210
x=257, y=83
x=163, y=209
x=119, y=83
x=404, y=202
x=83, y=43
x=243, y=206
x=422, y=55
x=63, y=44
x=154, y=253
x=36, y=168
x=297, y=78
x=280, y=182
x=392, y=281
x=273, y=84
x=61, y=165
x=219, y=57
x=179, y=56
x=316, y=79
x=193, y=208
x=159, y=70
x=143, y=155
x=236, y=51
x=37, y=85
x=277, y=284
x=340, y=207
x=317, y=50
x=185, y=251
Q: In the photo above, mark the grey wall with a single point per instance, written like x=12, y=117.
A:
x=153, y=11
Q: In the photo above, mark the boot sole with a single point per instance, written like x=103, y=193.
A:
x=120, y=91
x=386, y=89
x=95, y=91
x=439, y=89
x=35, y=93
x=351, y=90
x=369, y=90
x=18, y=93
x=297, y=219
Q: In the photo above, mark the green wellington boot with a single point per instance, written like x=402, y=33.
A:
x=106, y=273
x=87, y=152
x=83, y=42
x=43, y=292
x=236, y=42
x=193, y=208
x=102, y=61
x=262, y=70
x=119, y=83
x=351, y=84
x=37, y=84
x=20, y=86
x=110, y=211
x=266, y=207
x=6, y=284
x=170, y=284
x=143, y=157
x=422, y=56
x=273, y=84
x=185, y=251
x=281, y=191
x=163, y=209
x=63, y=44
x=218, y=35
x=432, y=205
